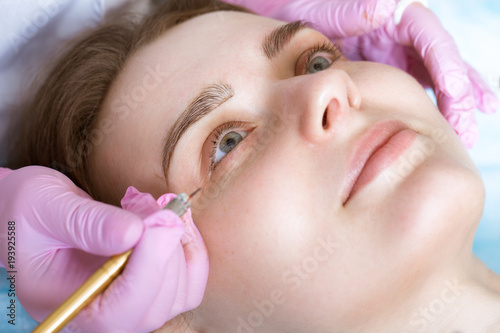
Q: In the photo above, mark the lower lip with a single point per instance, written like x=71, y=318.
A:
x=383, y=158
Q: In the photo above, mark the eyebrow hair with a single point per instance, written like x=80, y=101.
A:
x=210, y=97
x=276, y=41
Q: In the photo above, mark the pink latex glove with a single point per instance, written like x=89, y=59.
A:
x=419, y=45
x=62, y=237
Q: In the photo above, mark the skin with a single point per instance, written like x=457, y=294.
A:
x=392, y=252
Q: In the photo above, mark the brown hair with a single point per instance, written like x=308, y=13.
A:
x=56, y=129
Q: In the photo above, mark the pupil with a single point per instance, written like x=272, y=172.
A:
x=318, y=64
x=230, y=141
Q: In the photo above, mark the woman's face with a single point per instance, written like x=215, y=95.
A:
x=302, y=232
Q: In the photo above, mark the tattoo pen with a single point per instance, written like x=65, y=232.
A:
x=98, y=281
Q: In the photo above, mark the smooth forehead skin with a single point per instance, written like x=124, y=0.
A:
x=274, y=222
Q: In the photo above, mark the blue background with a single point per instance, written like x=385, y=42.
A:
x=474, y=26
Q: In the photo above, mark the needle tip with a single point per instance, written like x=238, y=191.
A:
x=194, y=193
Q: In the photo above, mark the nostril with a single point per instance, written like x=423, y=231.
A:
x=324, y=119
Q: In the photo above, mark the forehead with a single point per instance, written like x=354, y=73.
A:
x=204, y=47
x=212, y=34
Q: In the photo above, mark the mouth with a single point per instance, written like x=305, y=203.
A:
x=373, y=152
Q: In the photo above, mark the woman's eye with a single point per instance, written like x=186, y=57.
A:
x=318, y=64
x=318, y=58
x=227, y=143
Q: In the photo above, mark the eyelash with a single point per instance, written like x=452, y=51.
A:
x=326, y=47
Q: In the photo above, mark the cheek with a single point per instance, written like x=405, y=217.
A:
x=428, y=201
x=257, y=211
x=416, y=213
x=258, y=226
x=386, y=86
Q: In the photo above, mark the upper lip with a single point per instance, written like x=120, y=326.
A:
x=376, y=136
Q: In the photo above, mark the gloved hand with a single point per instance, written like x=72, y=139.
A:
x=419, y=45
x=62, y=237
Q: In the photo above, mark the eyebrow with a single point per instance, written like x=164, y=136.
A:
x=276, y=41
x=210, y=98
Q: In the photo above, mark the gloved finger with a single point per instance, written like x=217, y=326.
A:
x=57, y=208
x=421, y=29
x=171, y=296
x=92, y=226
x=143, y=276
x=417, y=69
x=339, y=19
x=63, y=269
x=486, y=100
x=465, y=127
x=194, y=268
x=455, y=109
x=460, y=115
x=197, y=262
x=4, y=172
x=470, y=137
x=142, y=204
x=186, y=279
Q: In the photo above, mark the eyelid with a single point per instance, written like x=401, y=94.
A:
x=326, y=47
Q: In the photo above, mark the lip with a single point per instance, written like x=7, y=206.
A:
x=374, y=152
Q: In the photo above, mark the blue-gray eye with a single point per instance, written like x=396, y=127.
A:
x=227, y=143
x=318, y=64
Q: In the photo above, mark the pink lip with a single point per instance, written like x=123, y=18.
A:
x=374, y=152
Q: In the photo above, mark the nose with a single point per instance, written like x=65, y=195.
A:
x=319, y=103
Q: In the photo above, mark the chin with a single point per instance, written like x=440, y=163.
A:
x=439, y=204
